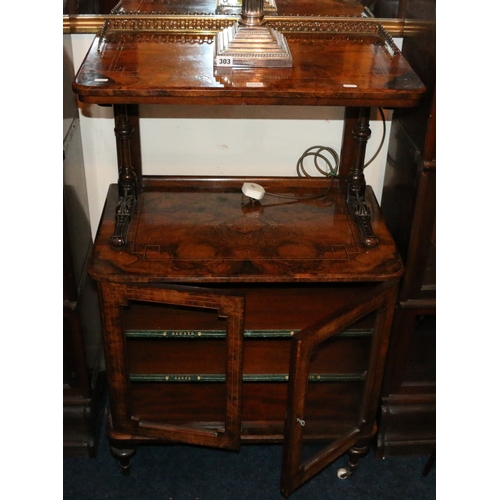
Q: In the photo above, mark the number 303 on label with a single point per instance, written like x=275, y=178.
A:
x=224, y=61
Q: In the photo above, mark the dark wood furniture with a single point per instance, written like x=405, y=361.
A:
x=83, y=367
x=408, y=410
x=228, y=320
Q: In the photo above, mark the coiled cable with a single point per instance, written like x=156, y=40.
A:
x=332, y=165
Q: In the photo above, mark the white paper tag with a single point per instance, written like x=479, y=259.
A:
x=224, y=61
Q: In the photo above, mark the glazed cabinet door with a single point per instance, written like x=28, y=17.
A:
x=315, y=436
x=174, y=358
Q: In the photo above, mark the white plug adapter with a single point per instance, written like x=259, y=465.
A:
x=252, y=190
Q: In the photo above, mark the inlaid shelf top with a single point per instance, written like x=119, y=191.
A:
x=336, y=61
x=190, y=230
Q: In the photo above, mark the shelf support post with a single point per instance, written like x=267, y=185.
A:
x=127, y=181
x=356, y=183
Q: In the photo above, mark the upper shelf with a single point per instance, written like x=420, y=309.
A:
x=167, y=60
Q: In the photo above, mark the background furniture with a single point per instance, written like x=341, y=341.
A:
x=83, y=374
x=408, y=411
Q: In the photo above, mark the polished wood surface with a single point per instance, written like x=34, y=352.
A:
x=349, y=69
x=205, y=230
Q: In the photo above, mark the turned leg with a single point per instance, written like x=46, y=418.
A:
x=356, y=182
x=127, y=181
x=355, y=454
x=123, y=455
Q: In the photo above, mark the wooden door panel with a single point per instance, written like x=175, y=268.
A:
x=297, y=468
x=136, y=396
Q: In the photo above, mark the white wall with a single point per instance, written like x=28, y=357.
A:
x=208, y=140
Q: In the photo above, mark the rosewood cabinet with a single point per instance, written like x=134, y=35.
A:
x=227, y=322
x=227, y=319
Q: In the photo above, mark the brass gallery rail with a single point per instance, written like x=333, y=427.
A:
x=93, y=23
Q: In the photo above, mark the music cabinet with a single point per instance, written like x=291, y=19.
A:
x=229, y=320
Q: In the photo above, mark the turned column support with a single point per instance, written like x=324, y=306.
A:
x=127, y=179
x=356, y=183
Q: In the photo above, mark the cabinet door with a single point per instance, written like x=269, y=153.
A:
x=149, y=332
x=303, y=459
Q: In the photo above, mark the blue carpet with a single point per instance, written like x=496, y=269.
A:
x=190, y=473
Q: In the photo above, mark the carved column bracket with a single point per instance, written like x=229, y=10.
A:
x=356, y=182
x=127, y=182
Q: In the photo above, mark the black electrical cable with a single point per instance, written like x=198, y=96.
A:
x=316, y=152
x=332, y=172
x=381, y=111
